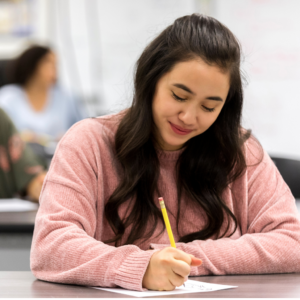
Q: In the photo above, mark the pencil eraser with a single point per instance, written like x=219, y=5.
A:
x=161, y=199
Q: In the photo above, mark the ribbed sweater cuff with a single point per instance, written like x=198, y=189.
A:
x=130, y=274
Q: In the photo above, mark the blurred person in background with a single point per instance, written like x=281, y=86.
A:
x=41, y=110
x=21, y=174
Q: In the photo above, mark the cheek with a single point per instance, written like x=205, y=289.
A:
x=166, y=107
x=206, y=120
x=163, y=109
x=42, y=73
x=47, y=71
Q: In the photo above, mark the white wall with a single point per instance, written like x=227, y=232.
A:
x=98, y=42
x=108, y=37
x=269, y=32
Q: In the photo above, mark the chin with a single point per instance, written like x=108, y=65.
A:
x=175, y=144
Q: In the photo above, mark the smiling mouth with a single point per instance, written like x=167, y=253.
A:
x=179, y=130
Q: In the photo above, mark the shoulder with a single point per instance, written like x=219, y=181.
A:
x=258, y=160
x=64, y=98
x=10, y=92
x=107, y=124
x=11, y=89
x=59, y=94
x=254, y=152
x=93, y=131
x=88, y=143
x=58, y=91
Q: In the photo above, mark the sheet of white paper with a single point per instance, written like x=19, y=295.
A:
x=191, y=286
x=10, y=205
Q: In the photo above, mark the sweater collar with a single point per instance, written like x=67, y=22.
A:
x=169, y=155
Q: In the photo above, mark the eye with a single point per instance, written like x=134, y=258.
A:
x=208, y=109
x=178, y=98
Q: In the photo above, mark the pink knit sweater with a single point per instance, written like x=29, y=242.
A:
x=70, y=225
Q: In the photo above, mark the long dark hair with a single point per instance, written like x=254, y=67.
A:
x=24, y=66
x=209, y=161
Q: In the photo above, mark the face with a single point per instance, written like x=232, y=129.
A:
x=46, y=69
x=187, y=101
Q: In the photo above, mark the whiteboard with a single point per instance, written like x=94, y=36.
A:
x=269, y=32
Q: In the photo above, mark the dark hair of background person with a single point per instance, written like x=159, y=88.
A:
x=23, y=67
x=209, y=161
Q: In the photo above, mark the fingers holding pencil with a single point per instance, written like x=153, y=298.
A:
x=170, y=267
x=190, y=259
x=195, y=262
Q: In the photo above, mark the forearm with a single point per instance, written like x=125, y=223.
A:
x=259, y=253
x=64, y=247
x=69, y=255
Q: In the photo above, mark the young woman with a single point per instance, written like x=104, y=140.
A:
x=34, y=101
x=99, y=222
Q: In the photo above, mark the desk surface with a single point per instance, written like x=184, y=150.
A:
x=17, y=221
x=25, y=285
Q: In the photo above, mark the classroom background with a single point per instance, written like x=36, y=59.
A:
x=97, y=43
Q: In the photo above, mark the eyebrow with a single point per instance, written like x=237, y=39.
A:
x=185, y=88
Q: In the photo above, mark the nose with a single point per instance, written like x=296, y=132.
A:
x=189, y=115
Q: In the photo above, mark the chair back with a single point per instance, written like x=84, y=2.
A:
x=290, y=171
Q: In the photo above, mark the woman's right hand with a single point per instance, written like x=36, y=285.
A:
x=168, y=268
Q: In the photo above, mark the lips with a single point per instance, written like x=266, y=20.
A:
x=179, y=130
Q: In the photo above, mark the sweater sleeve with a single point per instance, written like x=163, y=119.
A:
x=64, y=248
x=270, y=242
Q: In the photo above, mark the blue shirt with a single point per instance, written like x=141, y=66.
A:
x=59, y=114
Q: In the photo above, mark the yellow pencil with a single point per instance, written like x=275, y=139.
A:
x=166, y=219
x=167, y=222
